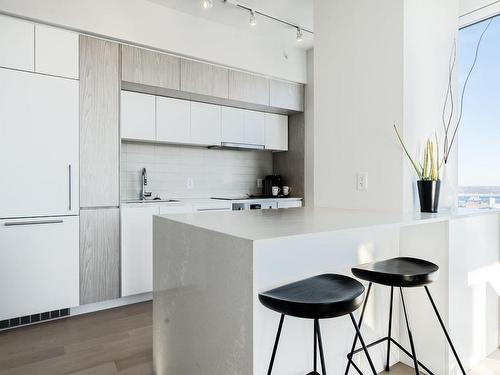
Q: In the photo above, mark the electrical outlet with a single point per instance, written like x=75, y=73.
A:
x=362, y=181
x=190, y=183
x=259, y=183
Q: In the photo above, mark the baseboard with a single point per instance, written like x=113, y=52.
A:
x=98, y=306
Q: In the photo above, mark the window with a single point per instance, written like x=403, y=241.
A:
x=479, y=132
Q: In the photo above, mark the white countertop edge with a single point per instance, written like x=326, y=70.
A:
x=206, y=222
x=208, y=201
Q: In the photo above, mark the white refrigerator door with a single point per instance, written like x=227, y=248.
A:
x=38, y=145
x=38, y=265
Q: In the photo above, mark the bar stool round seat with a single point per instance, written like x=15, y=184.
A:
x=319, y=297
x=402, y=272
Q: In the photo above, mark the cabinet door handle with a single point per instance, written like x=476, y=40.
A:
x=213, y=209
x=37, y=222
x=69, y=185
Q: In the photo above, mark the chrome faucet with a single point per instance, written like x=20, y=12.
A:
x=144, y=194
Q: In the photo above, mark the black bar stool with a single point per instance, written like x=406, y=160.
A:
x=403, y=272
x=319, y=297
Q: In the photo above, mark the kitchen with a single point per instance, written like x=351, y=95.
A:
x=138, y=137
x=163, y=136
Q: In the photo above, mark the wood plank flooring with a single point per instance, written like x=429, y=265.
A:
x=116, y=341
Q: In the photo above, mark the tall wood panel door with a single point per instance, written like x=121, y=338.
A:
x=99, y=122
x=99, y=255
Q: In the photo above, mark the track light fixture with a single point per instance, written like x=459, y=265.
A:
x=300, y=35
x=207, y=4
x=253, y=17
x=253, y=20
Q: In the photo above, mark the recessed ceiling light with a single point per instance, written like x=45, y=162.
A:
x=207, y=4
x=253, y=20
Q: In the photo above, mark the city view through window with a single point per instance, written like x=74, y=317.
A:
x=479, y=134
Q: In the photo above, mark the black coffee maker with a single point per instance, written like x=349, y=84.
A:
x=269, y=182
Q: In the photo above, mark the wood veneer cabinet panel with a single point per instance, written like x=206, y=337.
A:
x=204, y=79
x=287, y=95
x=99, y=122
x=248, y=88
x=99, y=255
x=150, y=68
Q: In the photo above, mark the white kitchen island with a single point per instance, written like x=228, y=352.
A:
x=208, y=270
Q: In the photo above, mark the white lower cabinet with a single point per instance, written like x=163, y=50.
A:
x=137, y=245
x=39, y=269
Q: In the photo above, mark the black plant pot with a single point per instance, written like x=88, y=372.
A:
x=428, y=192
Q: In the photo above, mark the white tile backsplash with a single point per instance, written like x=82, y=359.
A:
x=214, y=172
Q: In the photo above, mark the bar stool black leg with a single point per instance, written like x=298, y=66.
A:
x=410, y=336
x=278, y=334
x=315, y=348
x=320, y=343
x=349, y=362
x=387, y=368
x=444, y=330
x=365, y=349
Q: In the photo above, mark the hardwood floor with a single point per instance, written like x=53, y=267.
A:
x=115, y=341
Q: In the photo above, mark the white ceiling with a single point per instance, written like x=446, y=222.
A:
x=297, y=12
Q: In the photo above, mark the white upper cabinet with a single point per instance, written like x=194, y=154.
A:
x=205, y=124
x=254, y=127
x=173, y=120
x=56, y=51
x=17, y=43
x=276, y=130
x=233, y=125
x=288, y=95
x=137, y=116
x=39, y=146
x=243, y=126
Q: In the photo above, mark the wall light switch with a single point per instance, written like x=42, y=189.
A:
x=362, y=181
x=190, y=183
x=259, y=183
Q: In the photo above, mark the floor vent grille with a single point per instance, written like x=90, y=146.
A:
x=31, y=319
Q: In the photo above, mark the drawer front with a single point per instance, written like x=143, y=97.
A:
x=38, y=265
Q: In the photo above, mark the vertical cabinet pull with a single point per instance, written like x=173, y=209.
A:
x=69, y=185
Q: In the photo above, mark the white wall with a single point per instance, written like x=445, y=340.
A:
x=150, y=24
x=377, y=63
x=430, y=29
x=358, y=66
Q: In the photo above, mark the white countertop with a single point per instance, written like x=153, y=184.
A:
x=205, y=201
x=266, y=224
